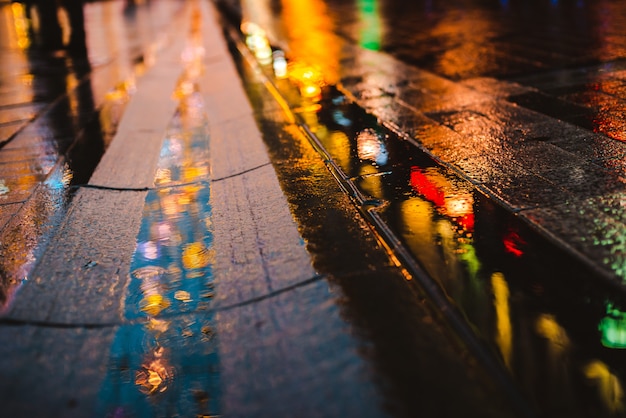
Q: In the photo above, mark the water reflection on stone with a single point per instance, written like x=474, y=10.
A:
x=165, y=361
x=530, y=312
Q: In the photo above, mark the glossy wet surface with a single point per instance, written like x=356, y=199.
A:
x=164, y=361
x=445, y=155
x=59, y=112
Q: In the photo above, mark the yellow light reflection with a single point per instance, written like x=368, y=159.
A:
x=20, y=23
x=196, y=255
x=154, y=304
x=309, y=79
x=504, y=334
x=371, y=182
x=548, y=327
x=310, y=30
x=467, y=40
x=340, y=148
x=154, y=374
x=609, y=386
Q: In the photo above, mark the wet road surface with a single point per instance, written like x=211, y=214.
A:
x=488, y=150
x=58, y=113
x=427, y=164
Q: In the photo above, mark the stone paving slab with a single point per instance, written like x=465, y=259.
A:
x=277, y=354
x=64, y=370
x=131, y=159
x=81, y=277
x=527, y=149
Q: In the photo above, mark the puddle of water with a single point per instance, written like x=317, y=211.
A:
x=544, y=316
x=164, y=362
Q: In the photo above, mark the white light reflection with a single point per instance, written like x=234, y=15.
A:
x=370, y=147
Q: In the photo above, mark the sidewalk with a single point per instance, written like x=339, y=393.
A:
x=175, y=282
x=87, y=330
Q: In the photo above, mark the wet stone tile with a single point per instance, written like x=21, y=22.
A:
x=25, y=154
x=406, y=121
x=7, y=212
x=590, y=229
x=616, y=166
x=594, y=147
x=585, y=180
x=34, y=166
x=487, y=168
x=445, y=144
x=549, y=105
x=539, y=157
x=21, y=112
x=7, y=131
x=521, y=191
x=494, y=87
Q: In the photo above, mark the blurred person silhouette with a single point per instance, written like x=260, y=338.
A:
x=50, y=36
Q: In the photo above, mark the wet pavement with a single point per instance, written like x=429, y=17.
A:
x=411, y=210
x=490, y=170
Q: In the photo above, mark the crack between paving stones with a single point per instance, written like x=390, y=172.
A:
x=65, y=325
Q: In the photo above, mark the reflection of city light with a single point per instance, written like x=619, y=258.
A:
x=613, y=328
x=157, y=325
x=279, y=63
x=371, y=182
x=450, y=200
x=340, y=119
x=21, y=24
x=370, y=24
x=609, y=386
x=154, y=374
x=371, y=147
x=513, y=243
x=309, y=79
x=149, y=250
x=196, y=255
x=257, y=42
x=548, y=328
x=310, y=30
x=504, y=335
x=182, y=296
x=154, y=304
x=163, y=175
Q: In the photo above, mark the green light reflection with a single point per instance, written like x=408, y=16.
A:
x=370, y=30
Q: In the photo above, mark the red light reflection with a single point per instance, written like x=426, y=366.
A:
x=449, y=200
x=513, y=243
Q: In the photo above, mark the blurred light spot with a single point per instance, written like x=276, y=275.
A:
x=370, y=146
x=154, y=375
x=513, y=243
x=548, y=328
x=157, y=325
x=20, y=23
x=450, y=199
x=154, y=304
x=608, y=385
x=613, y=328
x=148, y=250
x=182, y=295
x=504, y=335
x=196, y=255
x=279, y=63
x=257, y=42
x=309, y=79
x=339, y=117
x=4, y=189
x=370, y=25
